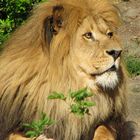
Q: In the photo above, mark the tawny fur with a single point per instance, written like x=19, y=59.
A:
x=31, y=68
x=103, y=132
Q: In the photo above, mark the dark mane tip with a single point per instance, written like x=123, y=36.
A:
x=57, y=8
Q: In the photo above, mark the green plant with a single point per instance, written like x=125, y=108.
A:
x=79, y=105
x=5, y=29
x=12, y=14
x=133, y=65
x=36, y=128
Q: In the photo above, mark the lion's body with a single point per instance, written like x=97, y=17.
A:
x=31, y=68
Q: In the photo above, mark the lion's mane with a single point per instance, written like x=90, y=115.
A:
x=32, y=65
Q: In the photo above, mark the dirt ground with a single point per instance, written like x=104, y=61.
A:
x=130, y=33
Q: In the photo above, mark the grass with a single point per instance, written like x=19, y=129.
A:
x=133, y=65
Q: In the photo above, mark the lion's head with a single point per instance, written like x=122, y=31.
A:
x=96, y=51
x=64, y=45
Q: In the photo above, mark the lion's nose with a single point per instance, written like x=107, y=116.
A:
x=114, y=53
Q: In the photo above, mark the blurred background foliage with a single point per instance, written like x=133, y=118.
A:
x=12, y=14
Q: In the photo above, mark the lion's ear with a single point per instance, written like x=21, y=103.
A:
x=54, y=22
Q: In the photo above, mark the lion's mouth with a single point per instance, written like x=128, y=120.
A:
x=111, y=69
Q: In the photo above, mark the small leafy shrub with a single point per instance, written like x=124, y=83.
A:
x=133, y=65
x=36, y=128
x=79, y=106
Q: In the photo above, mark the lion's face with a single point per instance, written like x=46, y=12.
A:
x=97, y=50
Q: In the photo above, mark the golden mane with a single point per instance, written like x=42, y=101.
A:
x=32, y=66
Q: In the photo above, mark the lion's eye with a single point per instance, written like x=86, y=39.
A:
x=88, y=35
x=109, y=34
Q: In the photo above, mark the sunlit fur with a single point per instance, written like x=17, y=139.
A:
x=31, y=68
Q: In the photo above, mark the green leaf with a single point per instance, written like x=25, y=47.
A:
x=56, y=95
x=87, y=104
x=43, y=116
x=26, y=125
x=34, y=125
x=77, y=93
x=80, y=94
x=31, y=134
x=77, y=109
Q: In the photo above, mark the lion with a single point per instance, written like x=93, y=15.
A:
x=65, y=45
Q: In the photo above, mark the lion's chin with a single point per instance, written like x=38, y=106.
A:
x=108, y=79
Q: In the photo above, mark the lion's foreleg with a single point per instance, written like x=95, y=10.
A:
x=104, y=133
x=20, y=137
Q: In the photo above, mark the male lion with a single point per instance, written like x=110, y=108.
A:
x=65, y=45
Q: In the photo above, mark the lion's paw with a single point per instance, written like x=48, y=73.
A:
x=103, y=133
